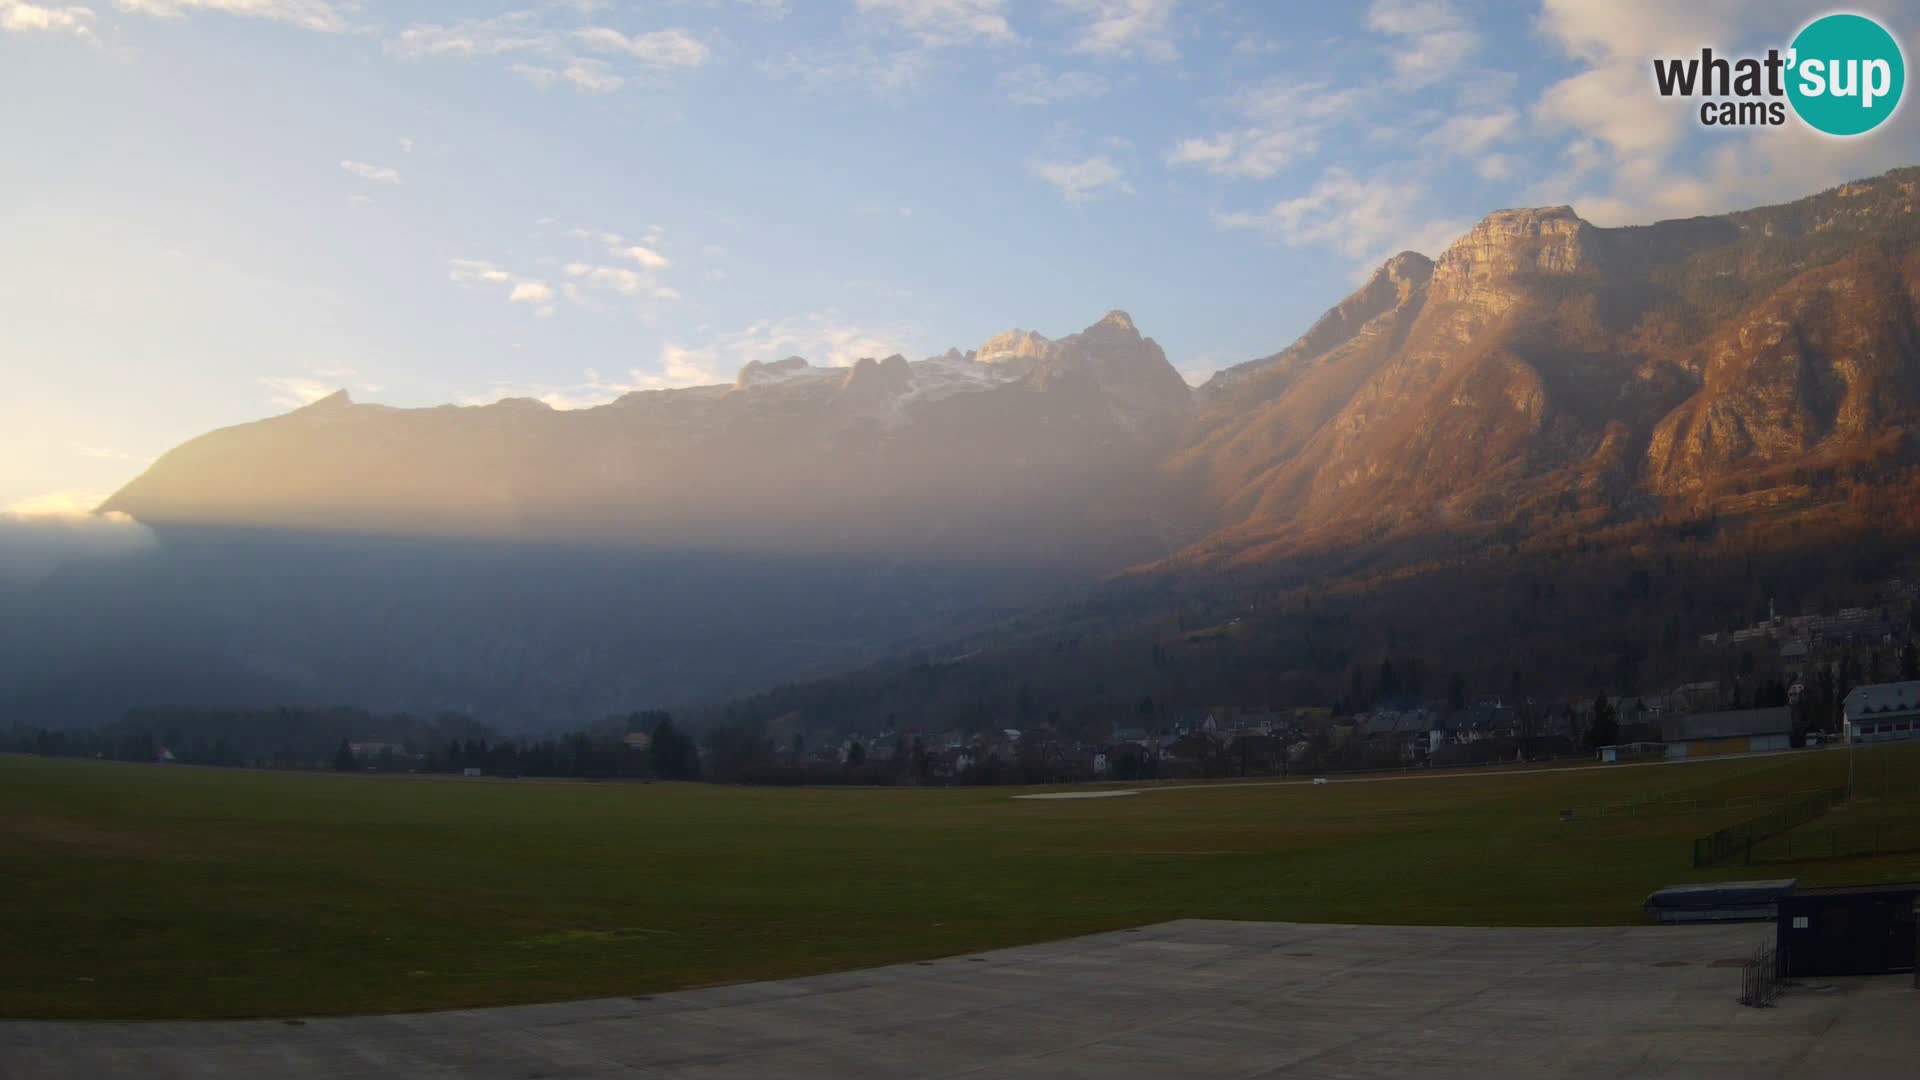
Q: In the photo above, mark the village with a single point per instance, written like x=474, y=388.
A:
x=1788, y=682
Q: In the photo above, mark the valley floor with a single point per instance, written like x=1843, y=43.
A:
x=138, y=892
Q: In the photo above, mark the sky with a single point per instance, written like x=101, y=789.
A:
x=218, y=210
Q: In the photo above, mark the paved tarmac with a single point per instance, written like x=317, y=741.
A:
x=1188, y=998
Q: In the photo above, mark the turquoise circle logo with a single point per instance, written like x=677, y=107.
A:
x=1847, y=74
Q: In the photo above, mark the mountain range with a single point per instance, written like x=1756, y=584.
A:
x=1543, y=380
x=1025, y=450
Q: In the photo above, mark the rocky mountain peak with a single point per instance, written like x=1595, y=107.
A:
x=762, y=372
x=1409, y=269
x=1119, y=320
x=894, y=369
x=1398, y=284
x=1508, y=243
x=1013, y=346
x=339, y=399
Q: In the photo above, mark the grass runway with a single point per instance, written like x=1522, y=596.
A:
x=136, y=891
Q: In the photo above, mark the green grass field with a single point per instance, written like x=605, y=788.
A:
x=146, y=891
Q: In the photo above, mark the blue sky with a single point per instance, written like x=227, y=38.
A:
x=218, y=209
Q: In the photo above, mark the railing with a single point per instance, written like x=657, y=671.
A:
x=1761, y=978
x=1839, y=842
x=1738, y=839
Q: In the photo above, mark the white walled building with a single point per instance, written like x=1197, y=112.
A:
x=1882, y=712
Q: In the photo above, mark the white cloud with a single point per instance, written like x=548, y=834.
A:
x=619, y=279
x=1035, y=85
x=1495, y=167
x=658, y=48
x=541, y=77
x=319, y=15
x=1082, y=180
x=55, y=504
x=476, y=272
x=1471, y=134
x=1260, y=45
x=19, y=17
x=1432, y=38
x=825, y=338
x=406, y=144
x=1368, y=220
x=294, y=391
x=592, y=76
x=484, y=276
x=1125, y=28
x=1283, y=123
x=530, y=292
x=860, y=67
x=513, y=32
x=379, y=174
x=108, y=453
x=552, y=54
x=1212, y=151
x=942, y=23
x=40, y=535
x=645, y=256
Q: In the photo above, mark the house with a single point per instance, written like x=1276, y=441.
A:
x=1794, y=653
x=1257, y=752
x=1694, y=696
x=637, y=740
x=1237, y=718
x=1411, y=730
x=1881, y=712
x=1741, y=731
x=1193, y=748
x=365, y=750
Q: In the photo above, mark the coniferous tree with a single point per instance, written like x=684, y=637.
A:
x=1605, y=730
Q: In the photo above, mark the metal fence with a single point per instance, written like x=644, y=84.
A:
x=1761, y=978
x=1739, y=838
x=1838, y=842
